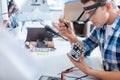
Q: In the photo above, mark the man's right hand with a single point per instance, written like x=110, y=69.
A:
x=67, y=32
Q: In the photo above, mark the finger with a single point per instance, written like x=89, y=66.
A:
x=82, y=57
x=61, y=20
x=61, y=25
x=71, y=59
x=62, y=30
x=65, y=22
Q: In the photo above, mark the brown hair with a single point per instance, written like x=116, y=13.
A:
x=111, y=1
x=85, y=1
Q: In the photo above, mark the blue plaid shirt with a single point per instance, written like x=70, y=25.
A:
x=110, y=49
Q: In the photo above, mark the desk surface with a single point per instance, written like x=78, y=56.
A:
x=18, y=64
x=57, y=61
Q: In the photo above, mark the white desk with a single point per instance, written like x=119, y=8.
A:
x=55, y=62
x=18, y=64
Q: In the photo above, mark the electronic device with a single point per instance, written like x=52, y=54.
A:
x=43, y=77
x=39, y=35
x=34, y=34
x=76, y=51
x=47, y=27
x=64, y=21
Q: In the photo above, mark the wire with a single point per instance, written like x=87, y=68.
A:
x=69, y=70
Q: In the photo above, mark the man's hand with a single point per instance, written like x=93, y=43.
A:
x=67, y=32
x=82, y=65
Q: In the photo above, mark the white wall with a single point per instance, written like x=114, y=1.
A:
x=55, y=15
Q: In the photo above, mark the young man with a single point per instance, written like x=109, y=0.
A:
x=106, y=18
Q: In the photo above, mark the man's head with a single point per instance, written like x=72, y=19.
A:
x=113, y=2
x=98, y=11
x=85, y=1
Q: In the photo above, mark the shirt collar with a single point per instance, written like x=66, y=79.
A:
x=116, y=23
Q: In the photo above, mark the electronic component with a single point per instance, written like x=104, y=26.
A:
x=76, y=51
x=49, y=78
